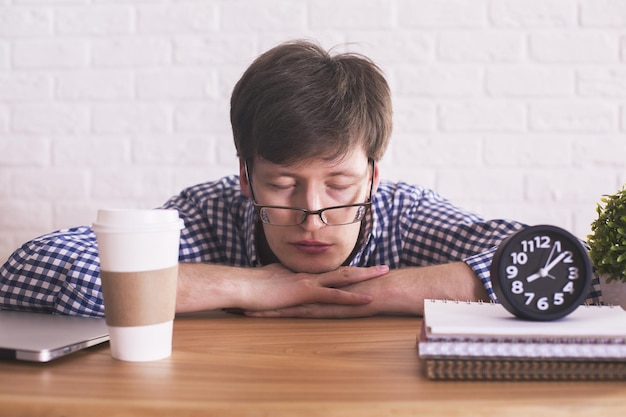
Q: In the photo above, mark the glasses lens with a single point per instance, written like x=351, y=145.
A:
x=343, y=215
x=281, y=216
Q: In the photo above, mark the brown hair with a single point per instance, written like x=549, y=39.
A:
x=297, y=101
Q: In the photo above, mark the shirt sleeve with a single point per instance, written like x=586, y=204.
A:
x=441, y=232
x=211, y=232
x=436, y=231
x=55, y=273
x=60, y=272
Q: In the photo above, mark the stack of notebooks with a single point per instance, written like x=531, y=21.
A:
x=483, y=341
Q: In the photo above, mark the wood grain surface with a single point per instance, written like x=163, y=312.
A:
x=229, y=365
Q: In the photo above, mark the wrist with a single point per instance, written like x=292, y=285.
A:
x=203, y=286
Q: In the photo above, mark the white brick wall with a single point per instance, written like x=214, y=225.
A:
x=514, y=108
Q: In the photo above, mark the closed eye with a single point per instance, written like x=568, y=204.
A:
x=340, y=187
x=280, y=187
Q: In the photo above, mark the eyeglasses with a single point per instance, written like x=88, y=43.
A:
x=330, y=216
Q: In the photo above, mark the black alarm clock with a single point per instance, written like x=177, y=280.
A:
x=541, y=273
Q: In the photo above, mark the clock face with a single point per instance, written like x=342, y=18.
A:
x=541, y=273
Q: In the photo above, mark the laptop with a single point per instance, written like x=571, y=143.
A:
x=41, y=337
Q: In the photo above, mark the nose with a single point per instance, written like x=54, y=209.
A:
x=311, y=197
x=312, y=222
x=312, y=200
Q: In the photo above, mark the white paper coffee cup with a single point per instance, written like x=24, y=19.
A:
x=138, y=252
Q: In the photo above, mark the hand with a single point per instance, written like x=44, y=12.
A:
x=282, y=288
x=401, y=291
x=545, y=271
x=204, y=286
x=372, y=288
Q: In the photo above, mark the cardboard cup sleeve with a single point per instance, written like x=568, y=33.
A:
x=139, y=298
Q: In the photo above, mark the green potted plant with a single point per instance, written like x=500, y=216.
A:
x=607, y=243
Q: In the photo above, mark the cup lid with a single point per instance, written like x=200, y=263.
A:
x=112, y=220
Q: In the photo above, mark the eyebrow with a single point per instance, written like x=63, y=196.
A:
x=334, y=174
x=293, y=170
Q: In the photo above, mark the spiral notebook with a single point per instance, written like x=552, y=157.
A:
x=461, y=319
x=467, y=340
x=524, y=370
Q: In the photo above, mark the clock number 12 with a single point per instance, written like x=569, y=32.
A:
x=539, y=242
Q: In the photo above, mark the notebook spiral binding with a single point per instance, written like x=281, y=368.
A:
x=524, y=370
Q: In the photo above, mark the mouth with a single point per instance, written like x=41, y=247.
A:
x=311, y=247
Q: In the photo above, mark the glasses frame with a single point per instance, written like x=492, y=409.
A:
x=306, y=213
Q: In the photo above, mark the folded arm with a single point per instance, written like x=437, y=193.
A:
x=60, y=273
x=401, y=291
x=203, y=286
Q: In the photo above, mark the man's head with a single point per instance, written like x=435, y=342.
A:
x=297, y=102
x=308, y=127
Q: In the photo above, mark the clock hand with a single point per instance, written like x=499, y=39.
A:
x=544, y=272
x=541, y=274
x=552, y=264
x=550, y=256
x=534, y=276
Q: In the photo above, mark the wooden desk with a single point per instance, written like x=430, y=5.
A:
x=236, y=366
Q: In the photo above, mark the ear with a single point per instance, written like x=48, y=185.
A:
x=243, y=179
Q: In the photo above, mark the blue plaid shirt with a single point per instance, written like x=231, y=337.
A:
x=409, y=226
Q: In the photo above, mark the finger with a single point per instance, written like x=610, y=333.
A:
x=349, y=275
x=318, y=311
x=270, y=313
x=341, y=297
